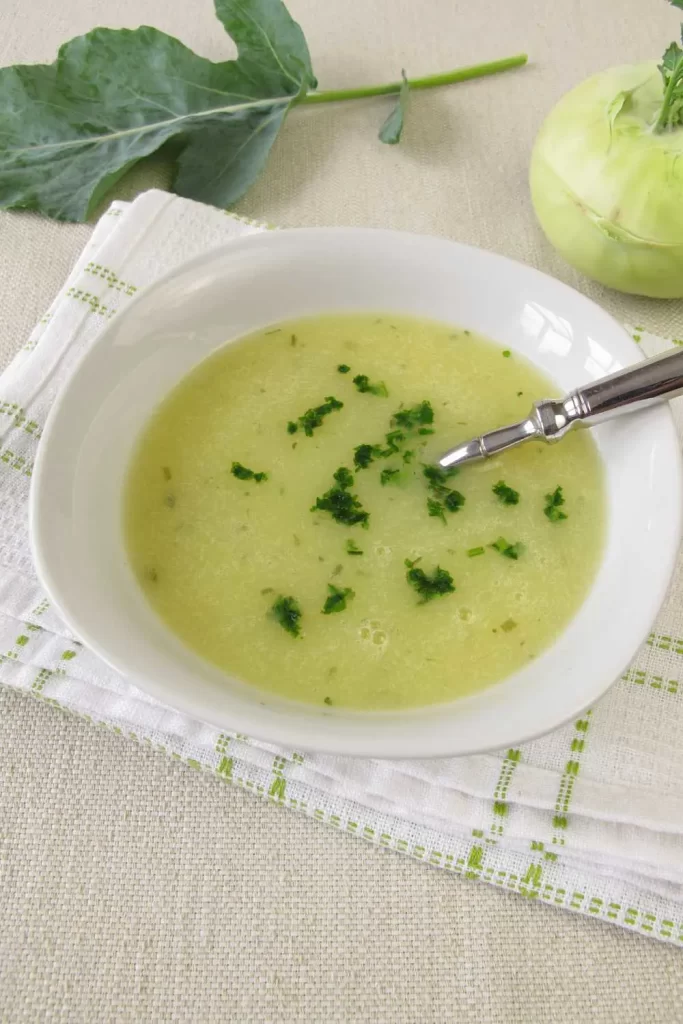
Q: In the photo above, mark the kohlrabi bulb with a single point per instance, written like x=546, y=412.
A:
x=607, y=182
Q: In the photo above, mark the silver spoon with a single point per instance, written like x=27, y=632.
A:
x=637, y=387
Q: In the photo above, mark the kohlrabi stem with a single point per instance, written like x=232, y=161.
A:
x=430, y=82
x=662, y=121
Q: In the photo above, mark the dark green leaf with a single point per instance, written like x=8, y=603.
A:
x=271, y=48
x=390, y=132
x=71, y=129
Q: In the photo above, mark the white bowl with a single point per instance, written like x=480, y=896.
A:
x=76, y=500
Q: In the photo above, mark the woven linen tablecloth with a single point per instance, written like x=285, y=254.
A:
x=589, y=818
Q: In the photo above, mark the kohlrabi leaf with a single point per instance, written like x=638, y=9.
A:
x=671, y=70
x=69, y=130
x=391, y=130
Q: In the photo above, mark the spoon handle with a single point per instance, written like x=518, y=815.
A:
x=637, y=387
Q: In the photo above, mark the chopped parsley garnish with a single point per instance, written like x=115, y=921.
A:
x=166, y=472
x=363, y=455
x=388, y=476
x=327, y=700
x=343, y=368
x=473, y=552
x=336, y=602
x=344, y=507
x=243, y=473
x=394, y=438
x=437, y=476
x=409, y=563
x=506, y=353
x=508, y=625
x=507, y=495
x=428, y=587
x=436, y=509
x=425, y=430
x=313, y=418
x=352, y=548
x=453, y=500
x=344, y=478
x=508, y=550
x=288, y=613
x=362, y=382
x=552, y=508
x=408, y=456
x=418, y=416
x=293, y=340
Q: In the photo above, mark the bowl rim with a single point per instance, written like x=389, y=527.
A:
x=291, y=732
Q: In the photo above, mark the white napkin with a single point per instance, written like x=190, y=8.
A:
x=589, y=818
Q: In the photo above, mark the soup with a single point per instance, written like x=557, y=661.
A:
x=285, y=518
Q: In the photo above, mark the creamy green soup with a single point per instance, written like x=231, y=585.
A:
x=388, y=585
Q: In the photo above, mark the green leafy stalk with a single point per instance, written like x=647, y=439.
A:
x=464, y=74
x=671, y=69
x=69, y=130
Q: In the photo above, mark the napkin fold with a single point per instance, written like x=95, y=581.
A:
x=589, y=818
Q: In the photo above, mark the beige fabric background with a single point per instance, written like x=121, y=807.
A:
x=132, y=889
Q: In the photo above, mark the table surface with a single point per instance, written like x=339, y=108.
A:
x=134, y=889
